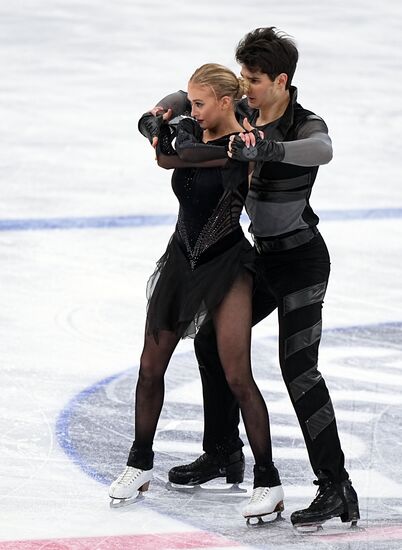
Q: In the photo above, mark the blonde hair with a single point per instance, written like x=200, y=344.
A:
x=222, y=80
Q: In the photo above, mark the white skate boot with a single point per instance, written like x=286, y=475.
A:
x=264, y=501
x=125, y=487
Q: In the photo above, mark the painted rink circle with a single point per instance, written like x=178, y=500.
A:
x=363, y=369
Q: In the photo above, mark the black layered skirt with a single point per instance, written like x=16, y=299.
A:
x=182, y=298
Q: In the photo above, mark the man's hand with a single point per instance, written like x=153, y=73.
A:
x=166, y=116
x=151, y=121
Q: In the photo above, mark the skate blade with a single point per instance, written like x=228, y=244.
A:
x=308, y=529
x=331, y=528
x=217, y=489
x=261, y=521
x=123, y=502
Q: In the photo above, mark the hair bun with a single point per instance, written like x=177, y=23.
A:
x=243, y=86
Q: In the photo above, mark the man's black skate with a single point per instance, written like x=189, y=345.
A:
x=332, y=500
x=208, y=467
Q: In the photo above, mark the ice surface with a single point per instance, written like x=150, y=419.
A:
x=76, y=75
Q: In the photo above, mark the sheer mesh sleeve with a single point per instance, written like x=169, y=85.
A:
x=189, y=144
x=189, y=151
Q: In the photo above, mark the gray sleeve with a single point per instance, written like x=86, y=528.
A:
x=177, y=101
x=312, y=146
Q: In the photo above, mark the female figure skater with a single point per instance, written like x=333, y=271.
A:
x=205, y=273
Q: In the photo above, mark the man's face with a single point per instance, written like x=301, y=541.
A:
x=262, y=91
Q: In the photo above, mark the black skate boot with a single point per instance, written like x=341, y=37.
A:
x=332, y=500
x=208, y=467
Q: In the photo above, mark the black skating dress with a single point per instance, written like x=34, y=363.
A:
x=208, y=249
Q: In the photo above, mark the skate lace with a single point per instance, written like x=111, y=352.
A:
x=129, y=475
x=200, y=460
x=322, y=486
x=259, y=494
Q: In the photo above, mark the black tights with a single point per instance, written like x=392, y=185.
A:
x=232, y=321
x=293, y=282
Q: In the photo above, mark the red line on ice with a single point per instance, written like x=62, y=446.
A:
x=164, y=541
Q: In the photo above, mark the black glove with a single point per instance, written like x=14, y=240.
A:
x=166, y=135
x=264, y=150
x=149, y=125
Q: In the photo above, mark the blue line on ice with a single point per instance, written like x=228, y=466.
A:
x=73, y=407
x=110, y=222
x=63, y=423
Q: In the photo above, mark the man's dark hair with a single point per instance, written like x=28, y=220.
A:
x=269, y=51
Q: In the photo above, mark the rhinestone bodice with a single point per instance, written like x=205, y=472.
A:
x=211, y=201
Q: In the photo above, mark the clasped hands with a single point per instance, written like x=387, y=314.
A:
x=251, y=145
x=244, y=146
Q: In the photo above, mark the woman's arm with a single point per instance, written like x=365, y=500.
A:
x=189, y=151
x=189, y=145
x=170, y=162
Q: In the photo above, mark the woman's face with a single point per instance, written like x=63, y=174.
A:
x=205, y=107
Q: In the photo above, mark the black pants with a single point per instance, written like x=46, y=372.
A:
x=293, y=282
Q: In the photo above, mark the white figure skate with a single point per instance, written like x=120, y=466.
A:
x=129, y=486
x=264, y=501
